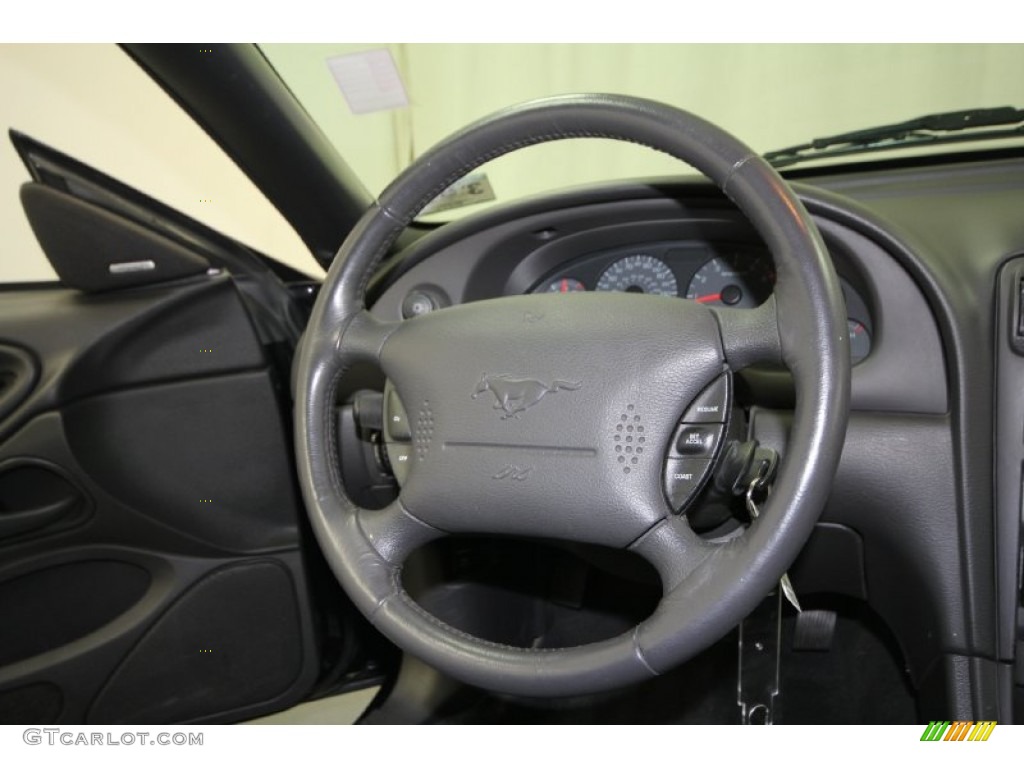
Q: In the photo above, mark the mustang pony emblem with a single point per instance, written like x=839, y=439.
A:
x=514, y=396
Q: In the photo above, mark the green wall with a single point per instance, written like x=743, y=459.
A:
x=769, y=95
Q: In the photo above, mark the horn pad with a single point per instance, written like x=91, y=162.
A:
x=522, y=411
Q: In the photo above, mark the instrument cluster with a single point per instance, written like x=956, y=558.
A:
x=716, y=274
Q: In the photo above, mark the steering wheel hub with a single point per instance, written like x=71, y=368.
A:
x=550, y=416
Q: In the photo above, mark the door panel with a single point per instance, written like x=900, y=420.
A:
x=151, y=567
x=17, y=375
x=36, y=497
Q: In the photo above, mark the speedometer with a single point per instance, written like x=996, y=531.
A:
x=639, y=273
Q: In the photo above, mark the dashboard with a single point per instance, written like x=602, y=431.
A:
x=922, y=254
x=689, y=243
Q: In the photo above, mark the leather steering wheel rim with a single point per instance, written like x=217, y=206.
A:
x=708, y=589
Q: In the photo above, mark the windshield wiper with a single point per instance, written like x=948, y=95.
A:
x=942, y=128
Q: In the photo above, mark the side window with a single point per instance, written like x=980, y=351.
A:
x=95, y=104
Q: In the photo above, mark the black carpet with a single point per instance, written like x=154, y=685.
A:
x=858, y=680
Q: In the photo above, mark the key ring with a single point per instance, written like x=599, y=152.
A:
x=759, y=483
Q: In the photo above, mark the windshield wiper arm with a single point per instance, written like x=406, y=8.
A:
x=944, y=127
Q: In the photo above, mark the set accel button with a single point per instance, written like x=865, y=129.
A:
x=698, y=440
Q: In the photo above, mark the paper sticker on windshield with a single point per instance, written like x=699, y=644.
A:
x=369, y=81
x=470, y=189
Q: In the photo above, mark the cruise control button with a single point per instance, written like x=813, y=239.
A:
x=397, y=423
x=682, y=478
x=698, y=440
x=710, y=405
x=400, y=457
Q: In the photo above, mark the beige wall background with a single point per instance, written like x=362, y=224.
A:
x=92, y=102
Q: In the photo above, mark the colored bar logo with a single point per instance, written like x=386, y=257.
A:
x=959, y=730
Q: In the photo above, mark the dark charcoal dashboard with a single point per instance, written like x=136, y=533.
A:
x=914, y=518
x=691, y=248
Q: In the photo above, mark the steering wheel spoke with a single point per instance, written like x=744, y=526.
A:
x=750, y=336
x=674, y=549
x=364, y=337
x=394, y=532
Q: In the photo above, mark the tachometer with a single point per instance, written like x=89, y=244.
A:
x=731, y=281
x=639, y=273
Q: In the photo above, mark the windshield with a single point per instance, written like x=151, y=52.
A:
x=383, y=105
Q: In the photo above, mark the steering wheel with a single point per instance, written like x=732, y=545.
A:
x=519, y=408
